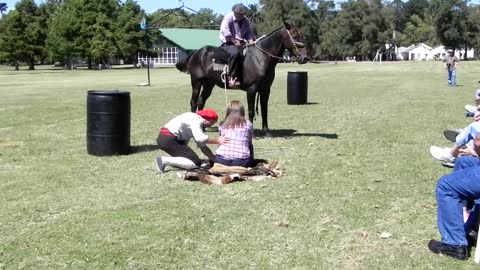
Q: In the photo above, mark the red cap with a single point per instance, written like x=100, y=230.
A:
x=208, y=114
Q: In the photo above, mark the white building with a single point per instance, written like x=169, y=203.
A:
x=440, y=51
x=424, y=52
x=414, y=52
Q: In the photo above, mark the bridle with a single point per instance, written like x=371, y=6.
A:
x=296, y=44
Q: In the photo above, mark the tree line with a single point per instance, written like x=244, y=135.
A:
x=99, y=30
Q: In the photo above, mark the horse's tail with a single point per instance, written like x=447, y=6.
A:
x=182, y=64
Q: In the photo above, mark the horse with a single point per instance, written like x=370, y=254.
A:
x=257, y=72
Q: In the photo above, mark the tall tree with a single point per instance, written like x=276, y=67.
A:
x=11, y=28
x=97, y=30
x=129, y=36
x=63, y=42
x=416, y=7
x=25, y=33
x=255, y=16
x=205, y=18
x=395, y=20
x=373, y=30
x=450, y=22
x=323, y=14
x=166, y=18
x=278, y=11
x=473, y=29
x=419, y=30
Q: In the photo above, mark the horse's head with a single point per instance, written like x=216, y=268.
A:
x=295, y=44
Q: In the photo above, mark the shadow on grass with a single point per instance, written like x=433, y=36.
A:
x=293, y=133
x=308, y=103
x=135, y=149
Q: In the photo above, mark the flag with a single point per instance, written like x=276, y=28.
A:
x=143, y=23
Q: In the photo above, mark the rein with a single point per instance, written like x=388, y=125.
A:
x=274, y=56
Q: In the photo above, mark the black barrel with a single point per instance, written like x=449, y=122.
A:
x=108, y=123
x=297, y=88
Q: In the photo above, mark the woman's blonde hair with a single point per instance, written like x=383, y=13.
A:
x=235, y=116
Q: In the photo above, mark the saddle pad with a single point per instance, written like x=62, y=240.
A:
x=218, y=67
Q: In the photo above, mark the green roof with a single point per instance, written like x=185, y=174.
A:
x=191, y=39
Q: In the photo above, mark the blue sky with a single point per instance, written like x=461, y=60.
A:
x=218, y=6
x=150, y=6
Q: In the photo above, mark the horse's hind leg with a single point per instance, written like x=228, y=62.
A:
x=206, y=92
x=196, y=88
x=251, y=105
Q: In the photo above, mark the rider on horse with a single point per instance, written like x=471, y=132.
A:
x=235, y=28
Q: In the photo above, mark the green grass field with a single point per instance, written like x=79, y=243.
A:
x=64, y=209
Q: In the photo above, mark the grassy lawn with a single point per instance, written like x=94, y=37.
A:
x=61, y=208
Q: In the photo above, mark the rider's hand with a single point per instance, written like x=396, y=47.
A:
x=237, y=43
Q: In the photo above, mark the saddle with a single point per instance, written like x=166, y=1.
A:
x=220, y=57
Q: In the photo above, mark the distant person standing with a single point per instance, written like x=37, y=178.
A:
x=450, y=62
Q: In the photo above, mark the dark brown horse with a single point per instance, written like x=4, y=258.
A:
x=258, y=69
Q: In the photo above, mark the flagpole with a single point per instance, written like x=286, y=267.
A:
x=148, y=58
x=144, y=26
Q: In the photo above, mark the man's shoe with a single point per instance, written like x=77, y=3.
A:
x=441, y=154
x=472, y=237
x=457, y=252
x=159, y=165
x=451, y=134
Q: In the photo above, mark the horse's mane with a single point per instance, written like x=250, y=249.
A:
x=271, y=33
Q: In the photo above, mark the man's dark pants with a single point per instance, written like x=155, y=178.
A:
x=234, y=59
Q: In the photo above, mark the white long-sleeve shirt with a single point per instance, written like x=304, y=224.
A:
x=186, y=126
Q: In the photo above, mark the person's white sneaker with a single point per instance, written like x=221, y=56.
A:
x=442, y=154
x=159, y=165
x=471, y=108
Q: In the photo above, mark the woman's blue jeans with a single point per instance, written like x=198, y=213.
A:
x=452, y=189
x=452, y=77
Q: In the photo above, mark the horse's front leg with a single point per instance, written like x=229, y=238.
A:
x=251, y=105
x=196, y=88
x=264, y=96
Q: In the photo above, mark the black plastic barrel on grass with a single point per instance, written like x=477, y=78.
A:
x=108, y=123
x=297, y=87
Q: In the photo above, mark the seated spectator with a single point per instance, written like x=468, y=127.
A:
x=463, y=145
x=474, y=108
x=239, y=150
x=451, y=192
